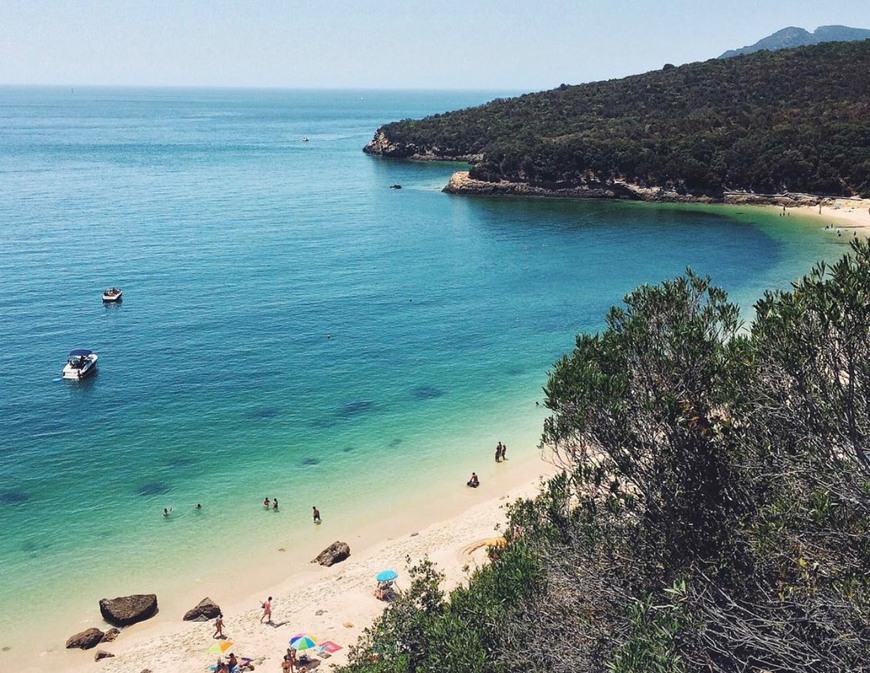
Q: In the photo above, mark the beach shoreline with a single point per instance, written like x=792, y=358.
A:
x=851, y=215
x=334, y=603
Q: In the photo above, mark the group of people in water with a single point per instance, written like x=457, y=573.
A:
x=267, y=504
x=500, y=455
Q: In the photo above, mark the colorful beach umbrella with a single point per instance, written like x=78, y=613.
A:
x=302, y=641
x=386, y=576
x=220, y=648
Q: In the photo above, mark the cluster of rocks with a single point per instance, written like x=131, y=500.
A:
x=127, y=610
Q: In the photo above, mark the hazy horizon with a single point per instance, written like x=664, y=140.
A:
x=394, y=45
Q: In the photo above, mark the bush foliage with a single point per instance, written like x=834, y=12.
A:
x=712, y=512
x=792, y=120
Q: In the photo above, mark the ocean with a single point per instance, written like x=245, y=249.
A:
x=292, y=327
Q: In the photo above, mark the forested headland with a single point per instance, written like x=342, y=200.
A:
x=712, y=513
x=795, y=120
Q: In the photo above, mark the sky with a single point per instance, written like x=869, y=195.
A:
x=514, y=45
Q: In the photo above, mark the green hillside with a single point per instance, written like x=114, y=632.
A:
x=713, y=513
x=792, y=120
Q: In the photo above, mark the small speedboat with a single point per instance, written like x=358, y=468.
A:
x=112, y=294
x=81, y=362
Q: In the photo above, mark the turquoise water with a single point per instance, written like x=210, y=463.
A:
x=291, y=326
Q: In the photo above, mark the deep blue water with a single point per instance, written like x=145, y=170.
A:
x=290, y=324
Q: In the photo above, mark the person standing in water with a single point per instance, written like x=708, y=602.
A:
x=315, y=513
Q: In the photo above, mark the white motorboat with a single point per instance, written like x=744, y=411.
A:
x=81, y=362
x=112, y=294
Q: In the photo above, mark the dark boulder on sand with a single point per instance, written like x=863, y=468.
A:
x=334, y=553
x=102, y=654
x=85, y=640
x=126, y=610
x=205, y=610
x=110, y=635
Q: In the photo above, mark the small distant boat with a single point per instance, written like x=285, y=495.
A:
x=81, y=362
x=112, y=294
x=304, y=139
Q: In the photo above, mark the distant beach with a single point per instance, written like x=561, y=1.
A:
x=851, y=215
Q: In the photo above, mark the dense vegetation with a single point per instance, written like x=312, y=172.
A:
x=792, y=120
x=713, y=512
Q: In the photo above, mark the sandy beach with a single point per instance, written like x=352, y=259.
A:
x=332, y=604
x=849, y=215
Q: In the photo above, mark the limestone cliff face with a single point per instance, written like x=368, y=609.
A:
x=382, y=145
x=462, y=183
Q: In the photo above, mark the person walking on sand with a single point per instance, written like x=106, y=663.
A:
x=315, y=513
x=218, y=626
x=267, y=611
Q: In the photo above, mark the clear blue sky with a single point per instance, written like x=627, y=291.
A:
x=525, y=45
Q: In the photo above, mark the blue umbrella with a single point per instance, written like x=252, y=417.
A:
x=387, y=576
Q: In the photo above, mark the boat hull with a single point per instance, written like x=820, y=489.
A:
x=73, y=372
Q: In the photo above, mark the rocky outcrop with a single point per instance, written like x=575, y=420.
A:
x=205, y=610
x=126, y=610
x=382, y=146
x=85, y=640
x=462, y=183
x=334, y=553
x=102, y=654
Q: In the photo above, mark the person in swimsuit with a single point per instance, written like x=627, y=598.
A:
x=267, y=611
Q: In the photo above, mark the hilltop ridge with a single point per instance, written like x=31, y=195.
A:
x=798, y=37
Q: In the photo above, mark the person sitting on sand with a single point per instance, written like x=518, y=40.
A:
x=232, y=663
x=474, y=482
x=385, y=591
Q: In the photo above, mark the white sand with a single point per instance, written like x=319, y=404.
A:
x=334, y=603
x=848, y=215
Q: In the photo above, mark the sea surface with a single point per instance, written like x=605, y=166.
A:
x=291, y=327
